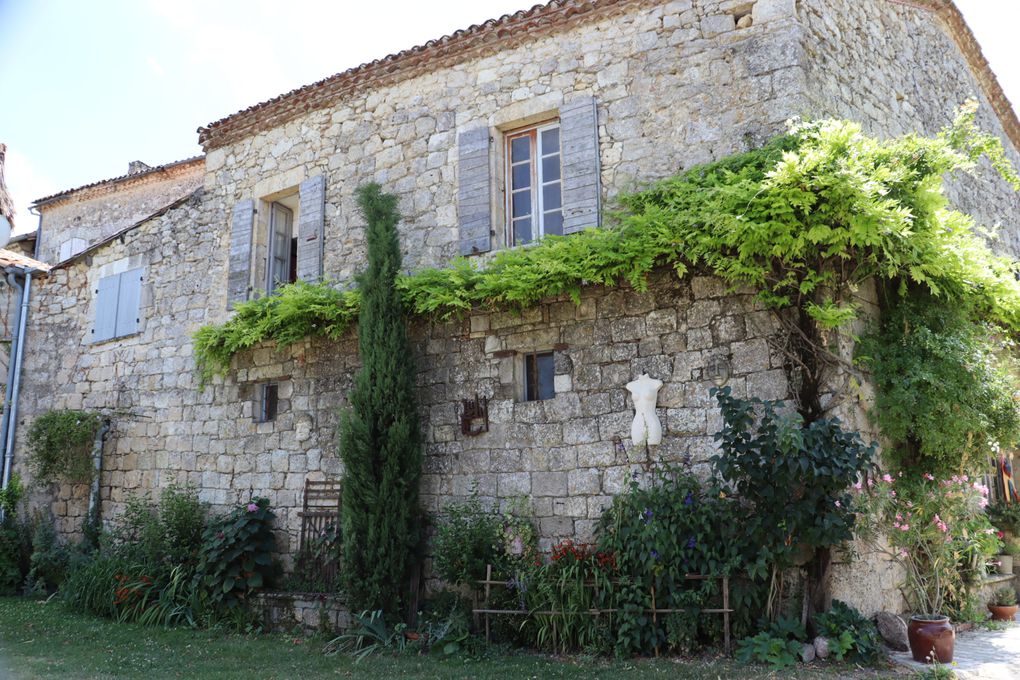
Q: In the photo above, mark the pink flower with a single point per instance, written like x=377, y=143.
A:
x=893, y=494
x=858, y=486
x=886, y=477
x=838, y=504
x=904, y=527
x=929, y=476
x=252, y=507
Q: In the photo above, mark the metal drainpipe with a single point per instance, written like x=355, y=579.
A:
x=11, y=408
x=12, y=281
x=97, y=464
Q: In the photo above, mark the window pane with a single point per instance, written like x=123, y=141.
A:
x=521, y=204
x=551, y=168
x=521, y=176
x=522, y=230
x=551, y=196
x=520, y=149
x=544, y=363
x=552, y=223
x=550, y=140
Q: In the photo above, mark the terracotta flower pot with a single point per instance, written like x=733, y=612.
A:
x=931, y=633
x=1005, y=565
x=1002, y=612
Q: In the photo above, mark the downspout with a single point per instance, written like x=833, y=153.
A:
x=93, y=518
x=12, y=281
x=14, y=385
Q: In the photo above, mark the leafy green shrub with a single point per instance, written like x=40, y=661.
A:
x=163, y=533
x=50, y=558
x=60, y=445
x=945, y=385
x=236, y=555
x=656, y=535
x=1004, y=597
x=15, y=539
x=1005, y=516
x=776, y=651
x=849, y=633
x=320, y=555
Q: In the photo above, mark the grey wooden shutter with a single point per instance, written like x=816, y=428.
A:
x=579, y=139
x=239, y=264
x=474, y=210
x=311, y=222
x=107, y=293
x=128, y=302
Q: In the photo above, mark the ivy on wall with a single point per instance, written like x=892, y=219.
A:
x=805, y=221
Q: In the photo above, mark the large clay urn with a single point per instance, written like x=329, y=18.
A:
x=929, y=633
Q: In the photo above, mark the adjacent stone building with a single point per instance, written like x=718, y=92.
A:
x=490, y=137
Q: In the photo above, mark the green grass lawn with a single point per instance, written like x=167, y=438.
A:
x=41, y=641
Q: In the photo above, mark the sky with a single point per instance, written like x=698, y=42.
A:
x=89, y=85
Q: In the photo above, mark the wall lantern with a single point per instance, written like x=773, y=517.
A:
x=718, y=370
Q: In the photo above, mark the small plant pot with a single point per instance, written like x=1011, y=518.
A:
x=1005, y=565
x=931, y=638
x=1003, y=612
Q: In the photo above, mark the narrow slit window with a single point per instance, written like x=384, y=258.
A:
x=269, y=401
x=539, y=370
x=534, y=188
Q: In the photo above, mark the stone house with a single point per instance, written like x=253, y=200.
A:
x=491, y=137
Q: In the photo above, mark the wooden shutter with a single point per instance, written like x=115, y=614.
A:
x=474, y=207
x=106, y=308
x=239, y=264
x=311, y=222
x=579, y=139
x=128, y=302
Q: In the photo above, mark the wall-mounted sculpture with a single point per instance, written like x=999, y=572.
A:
x=646, y=428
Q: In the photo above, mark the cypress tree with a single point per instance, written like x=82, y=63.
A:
x=380, y=436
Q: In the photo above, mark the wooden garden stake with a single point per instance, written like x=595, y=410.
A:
x=488, y=578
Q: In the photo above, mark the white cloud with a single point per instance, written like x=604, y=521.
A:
x=155, y=66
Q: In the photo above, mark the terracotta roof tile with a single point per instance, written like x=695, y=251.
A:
x=114, y=180
x=9, y=258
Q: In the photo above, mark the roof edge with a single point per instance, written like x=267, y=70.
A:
x=53, y=198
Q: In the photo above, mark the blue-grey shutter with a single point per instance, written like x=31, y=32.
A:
x=239, y=264
x=107, y=293
x=311, y=222
x=128, y=302
x=474, y=207
x=579, y=139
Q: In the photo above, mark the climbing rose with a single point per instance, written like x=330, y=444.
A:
x=252, y=507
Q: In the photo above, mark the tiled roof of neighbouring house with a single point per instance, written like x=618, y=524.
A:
x=123, y=178
x=510, y=30
x=9, y=258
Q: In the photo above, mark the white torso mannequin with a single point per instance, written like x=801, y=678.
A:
x=646, y=428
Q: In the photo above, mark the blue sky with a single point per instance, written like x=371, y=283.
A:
x=93, y=84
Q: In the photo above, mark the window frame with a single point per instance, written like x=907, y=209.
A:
x=531, y=376
x=291, y=265
x=268, y=402
x=538, y=182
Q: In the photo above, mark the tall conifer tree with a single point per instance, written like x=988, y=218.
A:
x=380, y=435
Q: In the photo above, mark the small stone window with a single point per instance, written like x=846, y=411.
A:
x=534, y=188
x=539, y=375
x=269, y=402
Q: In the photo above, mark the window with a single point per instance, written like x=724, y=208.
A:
x=269, y=402
x=72, y=247
x=539, y=370
x=282, y=260
x=118, y=298
x=534, y=189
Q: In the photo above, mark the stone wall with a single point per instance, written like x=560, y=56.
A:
x=895, y=68
x=676, y=83
x=97, y=212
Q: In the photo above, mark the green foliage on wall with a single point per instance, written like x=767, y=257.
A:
x=380, y=433
x=945, y=385
x=60, y=446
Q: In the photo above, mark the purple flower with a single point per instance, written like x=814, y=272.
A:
x=647, y=515
x=252, y=507
x=655, y=554
x=689, y=499
x=691, y=543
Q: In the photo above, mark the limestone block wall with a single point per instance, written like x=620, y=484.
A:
x=97, y=212
x=676, y=83
x=895, y=68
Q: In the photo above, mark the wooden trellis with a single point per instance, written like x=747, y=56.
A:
x=319, y=515
x=725, y=609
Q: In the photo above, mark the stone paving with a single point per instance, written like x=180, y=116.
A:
x=981, y=654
